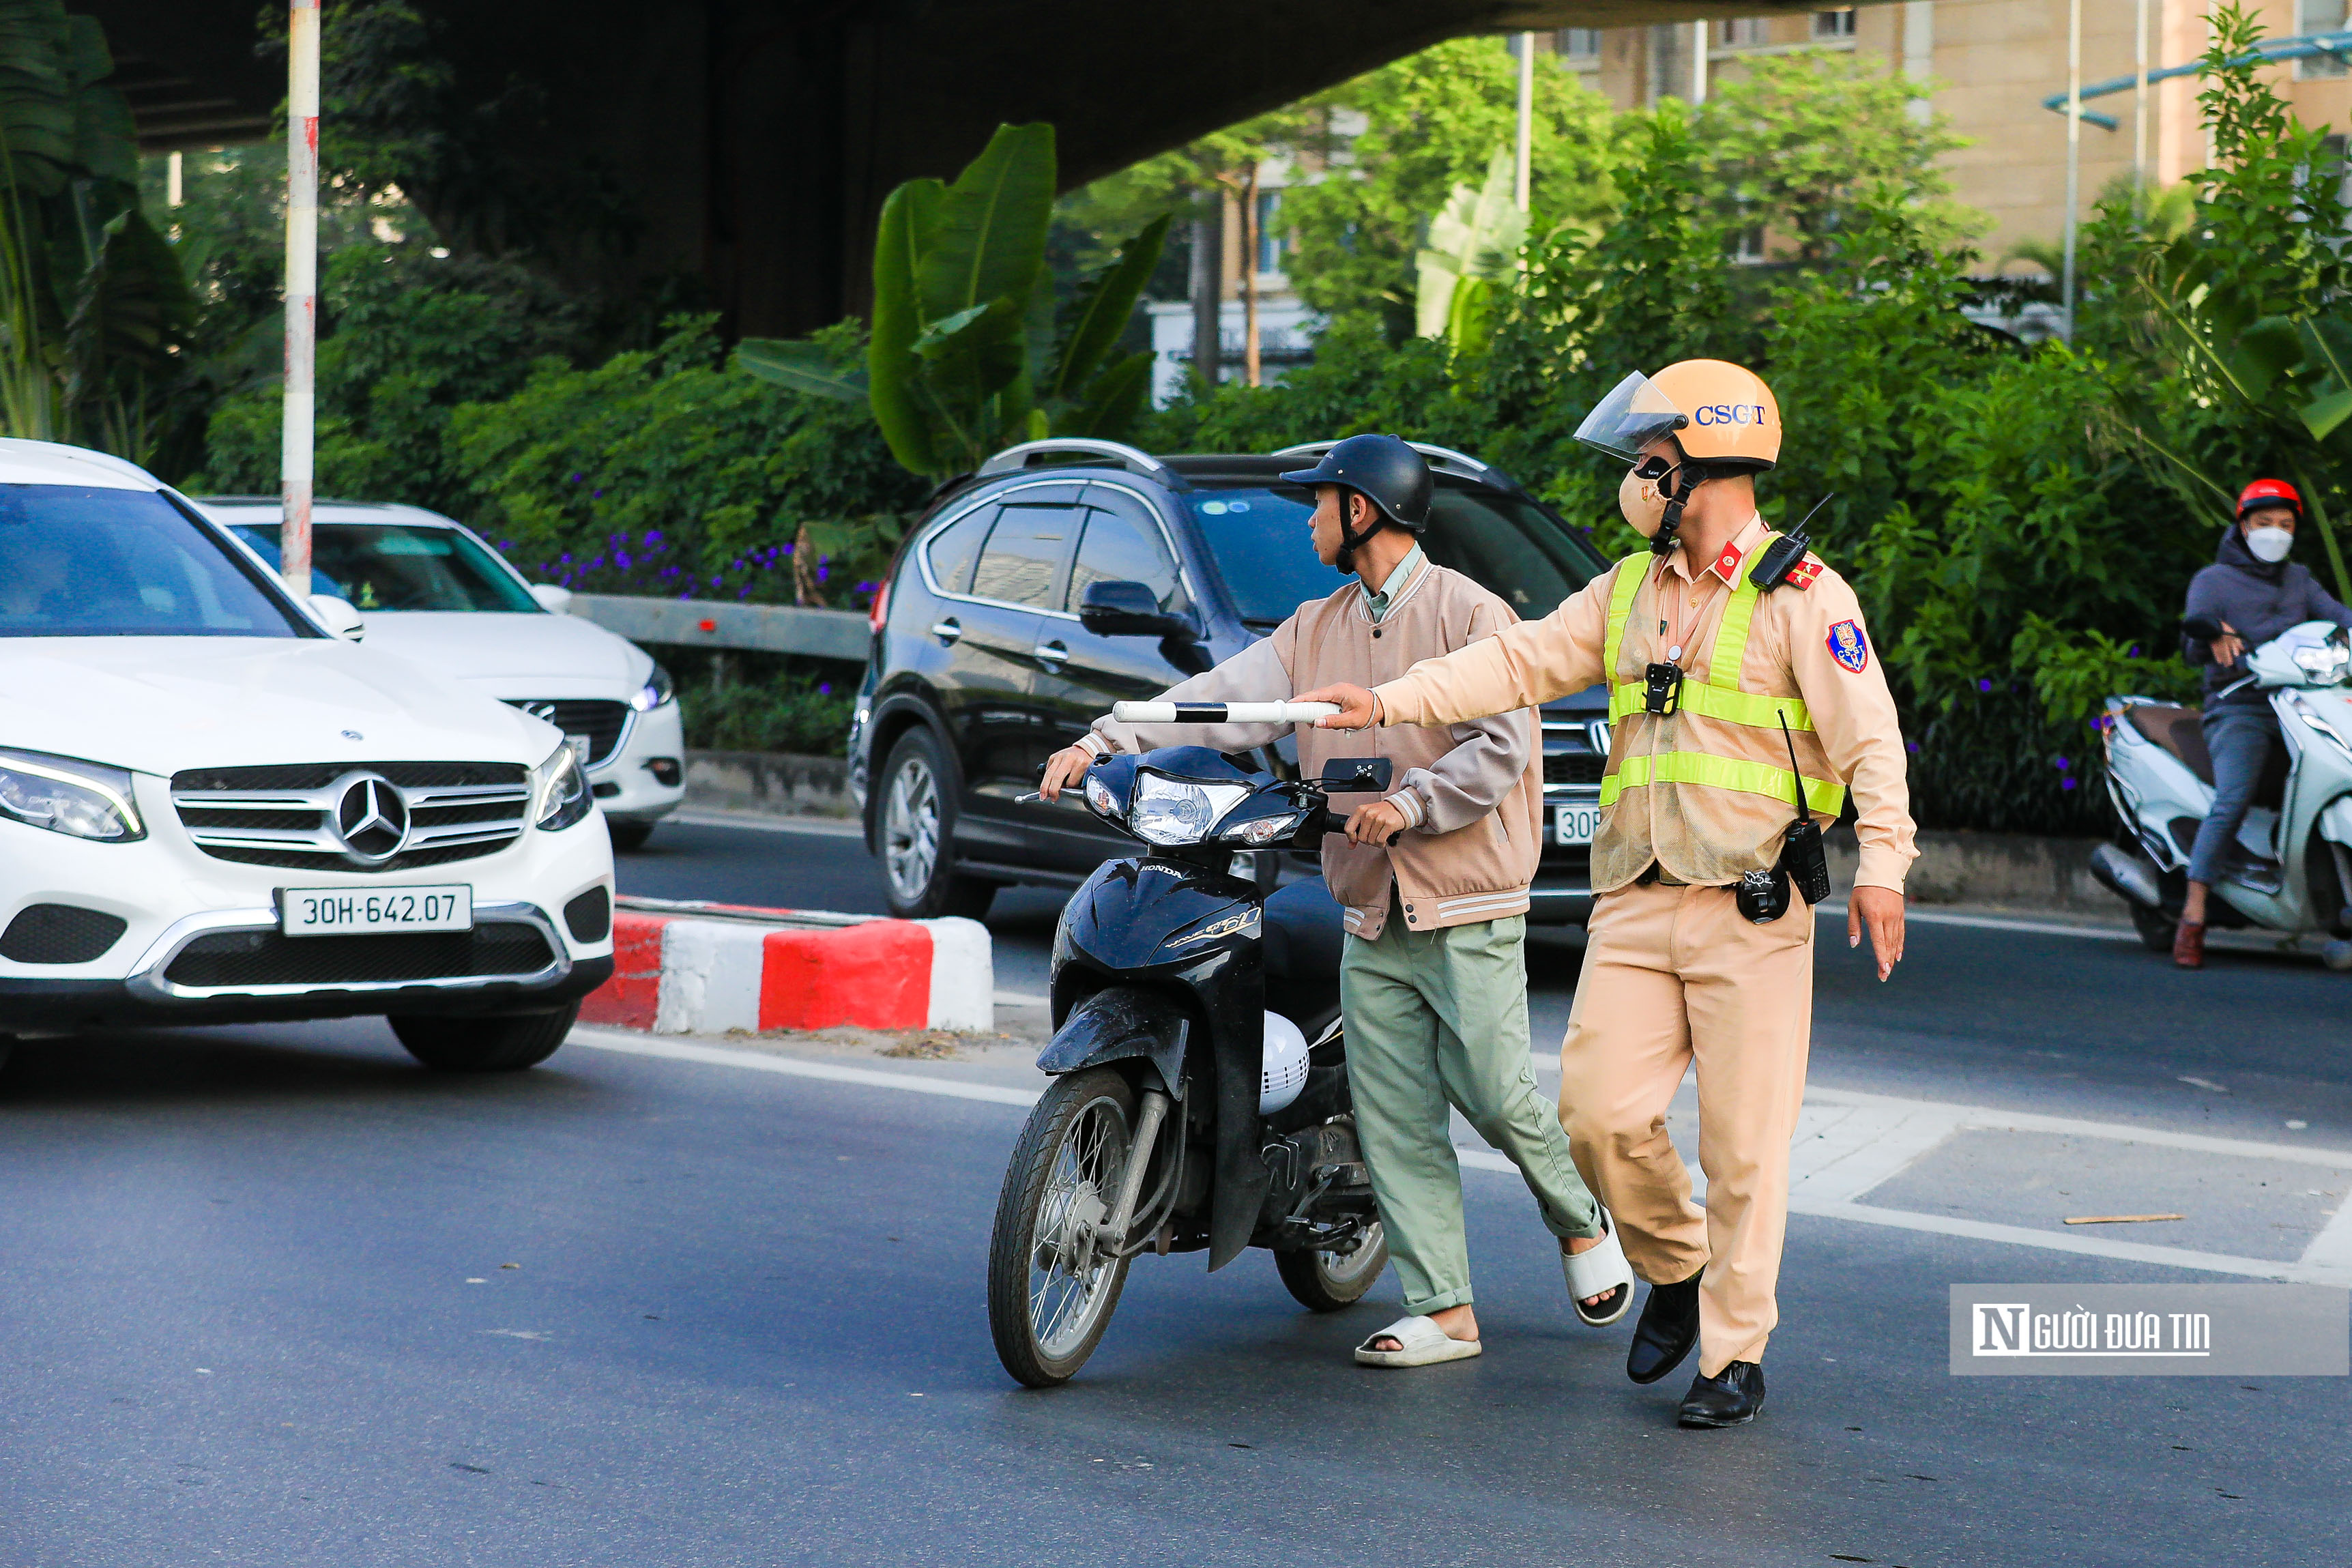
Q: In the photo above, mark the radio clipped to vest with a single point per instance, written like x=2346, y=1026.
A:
x=1763, y=896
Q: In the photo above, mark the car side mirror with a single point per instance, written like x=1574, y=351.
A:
x=1116, y=609
x=555, y=600
x=340, y=617
x=1356, y=775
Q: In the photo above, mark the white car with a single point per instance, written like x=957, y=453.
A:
x=213, y=809
x=431, y=589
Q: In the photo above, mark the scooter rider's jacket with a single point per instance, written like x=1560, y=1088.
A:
x=1471, y=792
x=1704, y=792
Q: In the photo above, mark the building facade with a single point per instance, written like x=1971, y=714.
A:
x=1993, y=63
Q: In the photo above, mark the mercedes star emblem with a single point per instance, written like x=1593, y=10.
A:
x=353, y=735
x=371, y=818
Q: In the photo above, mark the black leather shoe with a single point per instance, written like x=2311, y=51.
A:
x=1732, y=1398
x=1668, y=1329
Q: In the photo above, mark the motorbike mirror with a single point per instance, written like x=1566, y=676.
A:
x=1351, y=775
x=1120, y=609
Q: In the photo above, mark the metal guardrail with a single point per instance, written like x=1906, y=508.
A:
x=707, y=622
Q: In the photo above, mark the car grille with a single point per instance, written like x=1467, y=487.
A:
x=1573, y=768
x=601, y=723
x=284, y=815
x=232, y=959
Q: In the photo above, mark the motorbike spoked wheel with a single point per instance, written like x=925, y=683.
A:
x=1334, y=1281
x=1051, y=1286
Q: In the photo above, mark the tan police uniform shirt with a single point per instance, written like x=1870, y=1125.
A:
x=1807, y=642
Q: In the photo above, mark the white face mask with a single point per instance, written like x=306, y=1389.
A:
x=2270, y=544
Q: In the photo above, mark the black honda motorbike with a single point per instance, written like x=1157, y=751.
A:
x=1182, y=1117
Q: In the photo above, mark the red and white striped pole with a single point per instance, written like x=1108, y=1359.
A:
x=296, y=463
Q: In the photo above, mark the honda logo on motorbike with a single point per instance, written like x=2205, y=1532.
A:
x=371, y=819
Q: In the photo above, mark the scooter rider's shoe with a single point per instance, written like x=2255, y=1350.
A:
x=2189, y=945
x=1732, y=1398
x=1668, y=1328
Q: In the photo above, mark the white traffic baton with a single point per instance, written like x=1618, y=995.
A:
x=1220, y=712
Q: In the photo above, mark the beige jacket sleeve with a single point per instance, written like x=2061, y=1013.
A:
x=1522, y=665
x=1853, y=714
x=1489, y=756
x=1259, y=673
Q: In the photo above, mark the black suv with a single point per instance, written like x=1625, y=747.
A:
x=1069, y=574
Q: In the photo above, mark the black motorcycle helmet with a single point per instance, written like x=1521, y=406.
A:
x=1383, y=471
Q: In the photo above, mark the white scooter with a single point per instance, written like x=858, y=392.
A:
x=2291, y=869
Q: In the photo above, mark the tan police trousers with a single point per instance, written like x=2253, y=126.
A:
x=1673, y=976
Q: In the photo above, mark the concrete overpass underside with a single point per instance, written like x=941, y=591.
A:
x=751, y=141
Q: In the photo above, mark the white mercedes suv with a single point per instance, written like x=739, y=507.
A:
x=431, y=589
x=213, y=809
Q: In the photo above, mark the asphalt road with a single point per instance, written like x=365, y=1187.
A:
x=261, y=1313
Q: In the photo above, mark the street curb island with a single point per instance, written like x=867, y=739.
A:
x=694, y=968
x=1994, y=871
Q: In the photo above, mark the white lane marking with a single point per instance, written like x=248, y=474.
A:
x=2328, y=1259
x=1987, y=1117
x=633, y=1044
x=836, y=826
x=1020, y=999
x=1995, y=922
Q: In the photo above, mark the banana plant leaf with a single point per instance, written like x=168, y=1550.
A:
x=37, y=95
x=909, y=217
x=987, y=239
x=1113, y=402
x=134, y=310
x=106, y=139
x=802, y=366
x=1104, y=307
x=2263, y=352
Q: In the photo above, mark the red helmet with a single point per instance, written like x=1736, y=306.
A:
x=2269, y=492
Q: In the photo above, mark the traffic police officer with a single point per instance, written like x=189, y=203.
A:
x=1432, y=886
x=1697, y=949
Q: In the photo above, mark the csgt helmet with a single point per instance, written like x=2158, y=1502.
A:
x=1722, y=415
x=1383, y=471
x=2269, y=492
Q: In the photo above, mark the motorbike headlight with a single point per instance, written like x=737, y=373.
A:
x=64, y=794
x=559, y=791
x=657, y=689
x=1099, y=800
x=2325, y=664
x=1264, y=830
x=1172, y=810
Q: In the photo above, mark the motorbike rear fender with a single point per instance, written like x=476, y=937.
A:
x=1121, y=1023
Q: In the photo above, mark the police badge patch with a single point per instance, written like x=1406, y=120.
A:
x=1849, y=648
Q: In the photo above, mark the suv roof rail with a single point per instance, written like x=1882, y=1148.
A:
x=1028, y=453
x=1443, y=460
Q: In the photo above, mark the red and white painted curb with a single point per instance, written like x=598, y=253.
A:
x=705, y=969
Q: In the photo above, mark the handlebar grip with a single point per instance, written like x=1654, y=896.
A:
x=1337, y=821
x=1220, y=712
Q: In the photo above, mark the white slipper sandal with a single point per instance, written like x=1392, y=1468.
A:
x=1600, y=1272
x=1425, y=1344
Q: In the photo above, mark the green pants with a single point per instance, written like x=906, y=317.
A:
x=1441, y=1017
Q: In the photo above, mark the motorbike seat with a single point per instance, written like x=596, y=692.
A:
x=2181, y=731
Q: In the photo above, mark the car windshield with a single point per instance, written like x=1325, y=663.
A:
x=1259, y=540
x=400, y=566
x=80, y=562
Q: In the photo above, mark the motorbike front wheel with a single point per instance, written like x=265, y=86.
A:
x=1052, y=1285
x=2155, y=928
x=1333, y=1281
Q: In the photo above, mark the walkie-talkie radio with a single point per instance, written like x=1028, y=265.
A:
x=1781, y=557
x=1763, y=896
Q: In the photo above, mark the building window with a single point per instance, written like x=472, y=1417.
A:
x=1670, y=60
x=1271, y=241
x=1748, y=246
x=1834, y=24
x=1578, y=43
x=1746, y=32
x=2319, y=16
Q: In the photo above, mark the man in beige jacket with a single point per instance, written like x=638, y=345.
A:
x=1432, y=886
x=1697, y=952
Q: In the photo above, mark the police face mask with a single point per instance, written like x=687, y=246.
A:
x=2268, y=544
x=1639, y=500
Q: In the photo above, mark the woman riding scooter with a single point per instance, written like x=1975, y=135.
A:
x=2250, y=595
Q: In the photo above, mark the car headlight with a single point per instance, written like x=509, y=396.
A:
x=64, y=794
x=1100, y=799
x=657, y=689
x=560, y=795
x=1172, y=811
